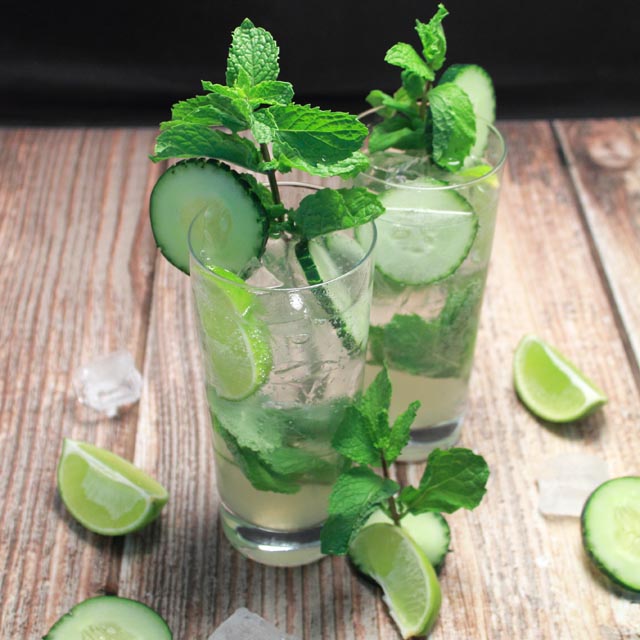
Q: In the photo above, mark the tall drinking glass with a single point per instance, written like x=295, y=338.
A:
x=283, y=360
x=432, y=256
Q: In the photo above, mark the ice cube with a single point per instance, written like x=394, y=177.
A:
x=108, y=382
x=245, y=625
x=263, y=278
x=566, y=481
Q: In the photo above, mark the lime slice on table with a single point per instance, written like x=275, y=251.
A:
x=236, y=341
x=411, y=590
x=106, y=493
x=112, y=618
x=550, y=386
x=425, y=234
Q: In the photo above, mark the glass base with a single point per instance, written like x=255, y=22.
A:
x=273, y=548
x=425, y=439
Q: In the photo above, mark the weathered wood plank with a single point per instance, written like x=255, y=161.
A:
x=75, y=283
x=604, y=161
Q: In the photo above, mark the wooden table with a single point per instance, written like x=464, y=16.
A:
x=80, y=276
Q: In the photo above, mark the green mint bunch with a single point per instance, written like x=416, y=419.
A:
x=454, y=478
x=423, y=115
x=284, y=136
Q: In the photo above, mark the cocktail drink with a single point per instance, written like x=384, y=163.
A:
x=282, y=288
x=283, y=359
x=432, y=256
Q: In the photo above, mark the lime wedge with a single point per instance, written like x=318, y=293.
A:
x=104, y=492
x=550, y=386
x=236, y=341
x=429, y=531
x=411, y=590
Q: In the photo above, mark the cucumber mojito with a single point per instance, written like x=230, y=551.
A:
x=282, y=289
x=435, y=162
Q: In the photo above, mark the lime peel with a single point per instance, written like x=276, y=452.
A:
x=106, y=493
x=550, y=386
x=387, y=554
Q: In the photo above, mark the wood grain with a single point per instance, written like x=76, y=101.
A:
x=75, y=283
x=80, y=277
x=604, y=161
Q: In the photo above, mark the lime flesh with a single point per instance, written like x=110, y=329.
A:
x=550, y=386
x=106, y=493
x=411, y=590
x=236, y=341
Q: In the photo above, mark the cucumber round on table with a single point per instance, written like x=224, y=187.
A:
x=110, y=617
x=425, y=234
x=477, y=84
x=235, y=223
x=348, y=313
x=611, y=530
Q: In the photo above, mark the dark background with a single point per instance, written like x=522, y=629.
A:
x=117, y=62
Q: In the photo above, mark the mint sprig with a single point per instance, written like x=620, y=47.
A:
x=284, y=135
x=454, y=478
x=437, y=119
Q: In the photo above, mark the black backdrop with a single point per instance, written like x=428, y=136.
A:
x=63, y=62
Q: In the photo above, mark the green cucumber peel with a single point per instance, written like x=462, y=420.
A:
x=284, y=135
x=425, y=114
x=454, y=478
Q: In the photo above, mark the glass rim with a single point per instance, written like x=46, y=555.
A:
x=469, y=183
x=309, y=287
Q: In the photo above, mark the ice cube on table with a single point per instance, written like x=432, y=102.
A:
x=245, y=625
x=108, y=383
x=566, y=481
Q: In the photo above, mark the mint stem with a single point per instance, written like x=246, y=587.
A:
x=395, y=516
x=271, y=174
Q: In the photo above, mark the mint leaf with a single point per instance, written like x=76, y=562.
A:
x=196, y=110
x=413, y=84
x=434, y=42
x=254, y=468
x=403, y=138
x=454, y=478
x=195, y=140
x=253, y=56
x=401, y=432
x=353, y=439
x=270, y=92
x=233, y=109
x=305, y=137
x=451, y=125
x=355, y=496
x=328, y=210
x=405, y=56
x=437, y=348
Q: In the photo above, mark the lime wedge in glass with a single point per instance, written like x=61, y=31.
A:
x=104, y=492
x=411, y=590
x=236, y=340
x=550, y=386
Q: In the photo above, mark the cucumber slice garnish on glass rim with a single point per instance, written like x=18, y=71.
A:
x=425, y=234
x=235, y=225
x=477, y=84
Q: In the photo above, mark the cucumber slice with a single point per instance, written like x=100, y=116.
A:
x=234, y=227
x=429, y=531
x=611, y=530
x=110, y=617
x=425, y=234
x=319, y=259
x=476, y=82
